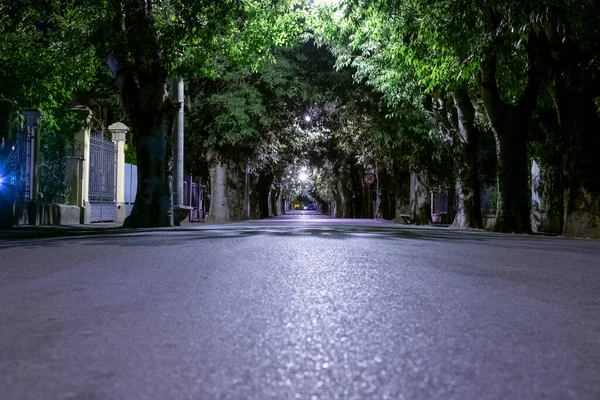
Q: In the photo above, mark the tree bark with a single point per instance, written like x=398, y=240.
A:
x=378, y=188
x=468, y=215
x=263, y=187
x=279, y=204
x=254, y=197
x=573, y=91
x=333, y=209
x=152, y=126
x=342, y=204
x=456, y=125
x=582, y=173
x=402, y=196
x=547, y=202
x=510, y=125
x=420, y=203
x=227, y=197
x=142, y=80
x=273, y=202
x=336, y=206
x=219, y=205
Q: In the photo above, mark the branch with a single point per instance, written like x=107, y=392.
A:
x=445, y=126
x=496, y=108
x=120, y=61
x=465, y=111
x=528, y=101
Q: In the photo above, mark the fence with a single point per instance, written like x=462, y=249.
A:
x=102, y=189
x=194, y=196
x=442, y=207
x=131, y=179
x=21, y=167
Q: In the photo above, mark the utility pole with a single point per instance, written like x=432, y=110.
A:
x=178, y=146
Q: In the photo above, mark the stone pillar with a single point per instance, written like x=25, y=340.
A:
x=6, y=143
x=78, y=166
x=119, y=135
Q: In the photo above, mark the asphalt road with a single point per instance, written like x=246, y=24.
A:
x=301, y=307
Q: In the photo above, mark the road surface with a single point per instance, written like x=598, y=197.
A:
x=300, y=307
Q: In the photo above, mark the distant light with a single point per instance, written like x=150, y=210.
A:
x=325, y=2
x=303, y=176
x=307, y=118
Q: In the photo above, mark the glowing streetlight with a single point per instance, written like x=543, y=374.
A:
x=307, y=118
x=303, y=176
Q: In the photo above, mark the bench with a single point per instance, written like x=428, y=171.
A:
x=405, y=218
x=180, y=213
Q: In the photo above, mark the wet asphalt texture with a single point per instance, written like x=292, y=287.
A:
x=299, y=307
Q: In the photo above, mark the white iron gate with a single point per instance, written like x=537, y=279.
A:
x=102, y=190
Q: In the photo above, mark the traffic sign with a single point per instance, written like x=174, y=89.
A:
x=369, y=179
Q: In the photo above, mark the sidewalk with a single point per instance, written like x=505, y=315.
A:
x=26, y=232
x=49, y=231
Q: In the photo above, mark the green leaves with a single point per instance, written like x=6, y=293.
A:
x=40, y=62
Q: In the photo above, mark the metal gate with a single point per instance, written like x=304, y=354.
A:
x=20, y=173
x=103, y=189
x=193, y=196
x=21, y=164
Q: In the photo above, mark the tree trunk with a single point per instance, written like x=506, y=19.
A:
x=582, y=172
x=264, y=192
x=547, y=202
x=227, y=197
x=280, y=207
x=152, y=125
x=336, y=206
x=219, y=205
x=142, y=81
x=420, y=203
x=510, y=125
x=368, y=200
x=468, y=215
x=273, y=202
x=378, y=187
x=402, y=196
x=254, y=197
x=573, y=90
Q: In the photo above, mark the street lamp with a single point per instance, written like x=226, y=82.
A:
x=303, y=176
